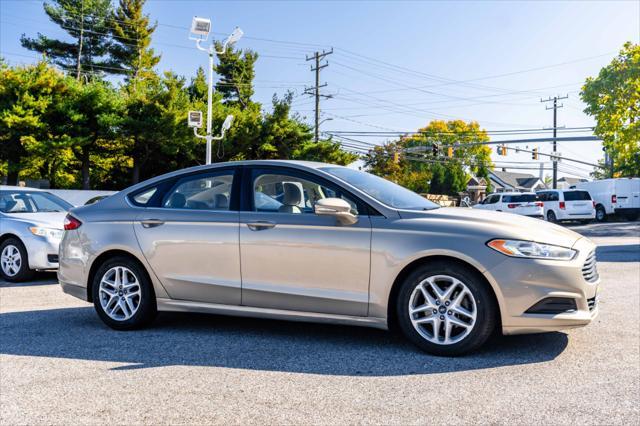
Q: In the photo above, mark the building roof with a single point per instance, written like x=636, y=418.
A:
x=572, y=180
x=521, y=181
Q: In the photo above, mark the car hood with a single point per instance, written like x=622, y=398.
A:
x=49, y=220
x=495, y=225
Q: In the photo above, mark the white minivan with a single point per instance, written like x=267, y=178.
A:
x=524, y=203
x=568, y=204
x=614, y=196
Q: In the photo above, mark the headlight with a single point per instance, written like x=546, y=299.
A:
x=532, y=250
x=54, y=234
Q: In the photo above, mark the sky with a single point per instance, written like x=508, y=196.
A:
x=398, y=65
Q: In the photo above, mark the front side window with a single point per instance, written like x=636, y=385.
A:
x=281, y=193
x=201, y=193
x=31, y=202
x=493, y=199
x=521, y=198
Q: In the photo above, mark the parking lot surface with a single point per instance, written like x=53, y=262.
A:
x=59, y=365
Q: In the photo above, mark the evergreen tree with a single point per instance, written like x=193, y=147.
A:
x=87, y=22
x=236, y=71
x=130, y=51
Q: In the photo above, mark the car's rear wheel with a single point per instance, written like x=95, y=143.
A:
x=551, y=216
x=446, y=309
x=14, y=261
x=601, y=214
x=123, y=295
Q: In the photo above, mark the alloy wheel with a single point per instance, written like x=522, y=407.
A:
x=11, y=260
x=120, y=293
x=442, y=309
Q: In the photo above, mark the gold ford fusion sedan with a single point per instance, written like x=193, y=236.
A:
x=317, y=242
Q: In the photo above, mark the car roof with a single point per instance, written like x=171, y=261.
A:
x=19, y=188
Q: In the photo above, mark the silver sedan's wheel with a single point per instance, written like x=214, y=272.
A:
x=120, y=293
x=10, y=260
x=442, y=309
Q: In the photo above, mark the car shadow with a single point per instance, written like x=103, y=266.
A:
x=252, y=344
x=40, y=278
x=618, y=253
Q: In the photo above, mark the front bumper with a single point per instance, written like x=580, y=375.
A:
x=42, y=252
x=525, y=282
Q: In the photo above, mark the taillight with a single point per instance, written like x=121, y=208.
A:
x=539, y=204
x=614, y=199
x=562, y=206
x=594, y=204
x=512, y=206
x=71, y=223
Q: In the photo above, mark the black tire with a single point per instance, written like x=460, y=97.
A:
x=486, y=316
x=551, y=216
x=147, y=308
x=24, y=273
x=601, y=214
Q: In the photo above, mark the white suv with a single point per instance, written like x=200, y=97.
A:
x=572, y=204
x=524, y=203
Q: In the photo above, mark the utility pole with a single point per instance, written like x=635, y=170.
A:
x=555, y=129
x=317, y=57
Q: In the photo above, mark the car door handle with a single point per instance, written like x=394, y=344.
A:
x=260, y=225
x=151, y=223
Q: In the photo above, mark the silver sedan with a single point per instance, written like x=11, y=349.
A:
x=317, y=242
x=31, y=222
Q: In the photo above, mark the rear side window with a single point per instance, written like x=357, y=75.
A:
x=553, y=196
x=142, y=198
x=524, y=198
x=201, y=192
x=576, y=196
x=493, y=199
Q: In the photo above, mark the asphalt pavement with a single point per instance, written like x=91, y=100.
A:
x=60, y=365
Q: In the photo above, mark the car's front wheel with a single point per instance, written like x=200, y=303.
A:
x=123, y=295
x=14, y=261
x=446, y=309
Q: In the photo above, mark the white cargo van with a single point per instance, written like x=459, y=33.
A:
x=614, y=196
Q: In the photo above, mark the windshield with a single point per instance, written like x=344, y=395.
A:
x=382, y=190
x=31, y=202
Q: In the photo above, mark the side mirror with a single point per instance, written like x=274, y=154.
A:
x=336, y=207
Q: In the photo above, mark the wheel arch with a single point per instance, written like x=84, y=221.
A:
x=103, y=257
x=5, y=237
x=425, y=260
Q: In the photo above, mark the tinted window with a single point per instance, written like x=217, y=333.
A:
x=524, y=198
x=201, y=193
x=543, y=196
x=289, y=194
x=31, y=202
x=576, y=196
x=382, y=190
x=493, y=199
x=553, y=196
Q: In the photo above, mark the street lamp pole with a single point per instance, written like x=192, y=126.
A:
x=200, y=28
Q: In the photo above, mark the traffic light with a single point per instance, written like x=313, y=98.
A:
x=534, y=154
x=435, y=149
x=450, y=152
x=502, y=150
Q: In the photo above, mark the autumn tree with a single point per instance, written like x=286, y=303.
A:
x=409, y=161
x=613, y=99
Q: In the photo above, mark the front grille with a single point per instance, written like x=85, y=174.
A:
x=593, y=303
x=589, y=269
x=553, y=305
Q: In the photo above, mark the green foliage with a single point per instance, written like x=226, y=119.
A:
x=85, y=21
x=236, y=71
x=613, y=98
x=130, y=50
x=442, y=175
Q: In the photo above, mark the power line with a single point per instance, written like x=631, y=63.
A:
x=555, y=128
